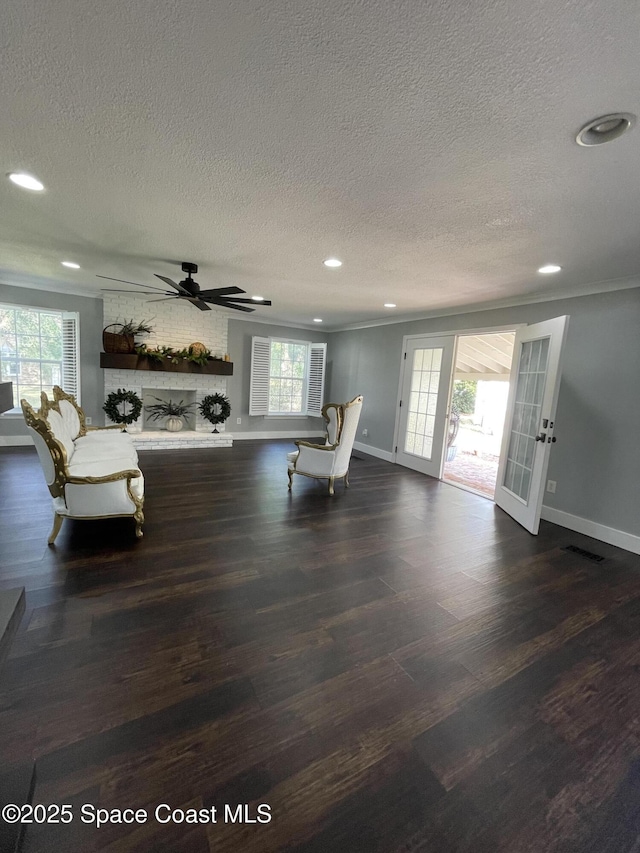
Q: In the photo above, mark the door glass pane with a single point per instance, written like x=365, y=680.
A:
x=532, y=371
x=425, y=381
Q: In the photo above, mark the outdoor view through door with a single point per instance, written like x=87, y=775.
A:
x=504, y=387
x=477, y=410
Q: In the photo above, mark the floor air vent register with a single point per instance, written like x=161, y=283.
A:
x=588, y=555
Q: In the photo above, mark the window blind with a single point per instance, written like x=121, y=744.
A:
x=71, y=355
x=260, y=371
x=315, y=385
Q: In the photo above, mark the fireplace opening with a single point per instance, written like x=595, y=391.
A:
x=156, y=396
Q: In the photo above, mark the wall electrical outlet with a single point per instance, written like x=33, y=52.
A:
x=88, y=421
x=238, y=420
x=551, y=486
x=365, y=432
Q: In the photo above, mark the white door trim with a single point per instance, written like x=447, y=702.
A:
x=487, y=330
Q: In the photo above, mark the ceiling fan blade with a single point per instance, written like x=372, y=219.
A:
x=139, y=292
x=197, y=302
x=223, y=304
x=122, y=281
x=200, y=304
x=173, y=284
x=222, y=291
x=247, y=301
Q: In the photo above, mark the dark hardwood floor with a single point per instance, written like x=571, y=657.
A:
x=399, y=668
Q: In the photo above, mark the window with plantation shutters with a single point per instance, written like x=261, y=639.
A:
x=315, y=384
x=71, y=355
x=38, y=349
x=259, y=392
x=287, y=377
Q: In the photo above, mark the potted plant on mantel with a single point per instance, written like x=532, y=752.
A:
x=173, y=412
x=123, y=339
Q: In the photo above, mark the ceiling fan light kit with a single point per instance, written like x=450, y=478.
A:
x=189, y=290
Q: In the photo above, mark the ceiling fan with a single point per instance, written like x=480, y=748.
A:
x=189, y=290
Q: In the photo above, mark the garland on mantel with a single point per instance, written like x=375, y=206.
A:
x=125, y=399
x=195, y=355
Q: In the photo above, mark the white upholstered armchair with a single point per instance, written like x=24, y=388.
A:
x=329, y=461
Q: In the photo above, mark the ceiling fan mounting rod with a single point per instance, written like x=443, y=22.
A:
x=189, y=268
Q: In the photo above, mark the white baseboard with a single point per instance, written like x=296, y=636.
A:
x=296, y=433
x=373, y=451
x=15, y=440
x=610, y=535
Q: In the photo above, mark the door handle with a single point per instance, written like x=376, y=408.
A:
x=541, y=437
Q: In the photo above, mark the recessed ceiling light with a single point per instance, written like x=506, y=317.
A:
x=605, y=129
x=27, y=182
x=549, y=268
x=258, y=298
x=333, y=263
x=389, y=304
x=317, y=320
x=70, y=264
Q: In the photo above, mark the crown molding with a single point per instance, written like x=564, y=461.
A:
x=36, y=283
x=592, y=289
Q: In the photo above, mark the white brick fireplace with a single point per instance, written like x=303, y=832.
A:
x=175, y=324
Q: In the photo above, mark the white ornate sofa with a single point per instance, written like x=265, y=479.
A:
x=329, y=461
x=91, y=472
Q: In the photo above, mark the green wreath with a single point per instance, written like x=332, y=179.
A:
x=115, y=399
x=215, y=408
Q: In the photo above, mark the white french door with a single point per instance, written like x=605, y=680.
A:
x=530, y=420
x=423, y=408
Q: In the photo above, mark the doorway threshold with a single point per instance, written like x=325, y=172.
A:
x=466, y=488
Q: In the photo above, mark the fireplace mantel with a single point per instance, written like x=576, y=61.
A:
x=133, y=361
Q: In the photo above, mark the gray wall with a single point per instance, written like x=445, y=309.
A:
x=90, y=311
x=240, y=333
x=596, y=461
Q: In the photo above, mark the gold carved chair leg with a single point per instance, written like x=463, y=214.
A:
x=139, y=517
x=290, y=473
x=57, y=524
x=346, y=479
x=331, y=480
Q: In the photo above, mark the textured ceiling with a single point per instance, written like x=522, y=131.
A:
x=430, y=145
